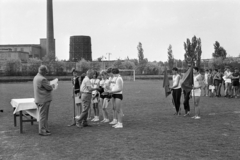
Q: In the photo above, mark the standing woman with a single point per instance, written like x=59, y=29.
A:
x=112, y=83
x=95, y=96
x=104, y=99
x=176, y=90
x=76, y=81
x=117, y=96
x=196, y=92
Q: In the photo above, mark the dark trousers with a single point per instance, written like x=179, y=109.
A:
x=86, y=102
x=176, y=98
x=43, y=117
x=186, y=100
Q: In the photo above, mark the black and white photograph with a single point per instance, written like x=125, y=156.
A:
x=119, y=79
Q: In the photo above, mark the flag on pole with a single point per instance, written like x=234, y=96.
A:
x=187, y=80
x=166, y=83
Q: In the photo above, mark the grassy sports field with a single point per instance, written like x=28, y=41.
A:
x=151, y=131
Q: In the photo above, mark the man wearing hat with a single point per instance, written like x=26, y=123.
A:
x=43, y=97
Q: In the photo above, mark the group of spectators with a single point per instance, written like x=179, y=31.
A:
x=215, y=80
x=210, y=83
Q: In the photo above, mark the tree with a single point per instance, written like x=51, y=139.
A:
x=142, y=61
x=219, y=51
x=83, y=65
x=193, y=51
x=118, y=64
x=34, y=64
x=140, y=52
x=151, y=68
x=128, y=64
x=170, y=57
x=95, y=65
x=49, y=57
x=13, y=67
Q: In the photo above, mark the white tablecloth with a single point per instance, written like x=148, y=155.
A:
x=26, y=104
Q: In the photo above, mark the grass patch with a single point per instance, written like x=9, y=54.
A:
x=151, y=131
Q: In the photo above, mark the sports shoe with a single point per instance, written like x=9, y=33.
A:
x=103, y=120
x=115, y=125
x=96, y=119
x=113, y=122
x=77, y=117
x=45, y=134
x=194, y=117
x=93, y=119
x=187, y=114
x=119, y=125
x=106, y=121
x=197, y=117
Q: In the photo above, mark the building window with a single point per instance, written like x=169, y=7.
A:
x=21, y=49
x=15, y=49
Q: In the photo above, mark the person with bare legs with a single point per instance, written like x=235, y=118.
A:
x=104, y=99
x=196, y=92
x=112, y=83
x=117, y=94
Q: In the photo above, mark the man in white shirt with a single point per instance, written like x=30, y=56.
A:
x=86, y=96
x=227, y=78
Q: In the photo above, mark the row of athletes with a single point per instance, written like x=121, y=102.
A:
x=93, y=89
x=215, y=80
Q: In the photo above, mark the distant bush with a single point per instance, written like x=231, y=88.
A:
x=13, y=67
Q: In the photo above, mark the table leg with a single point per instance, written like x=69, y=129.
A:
x=31, y=120
x=15, y=118
x=21, y=125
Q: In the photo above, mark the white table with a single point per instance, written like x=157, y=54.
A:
x=28, y=105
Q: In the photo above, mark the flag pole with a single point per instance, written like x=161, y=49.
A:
x=193, y=90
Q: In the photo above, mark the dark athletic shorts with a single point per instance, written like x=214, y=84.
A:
x=235, y=83
x=217, y=82
x=119, y=96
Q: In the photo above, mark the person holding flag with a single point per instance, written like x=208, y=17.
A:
x=166, y=83
x=196, y=91
x=176, y=90
x=187, y=83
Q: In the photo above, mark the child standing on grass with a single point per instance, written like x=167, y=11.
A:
x=235, y=82
x=95, y=96
x=196, y=92
x=104, y=100
x=76, y=81
x=210, y=83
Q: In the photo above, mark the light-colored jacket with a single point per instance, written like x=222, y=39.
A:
x=42, y=89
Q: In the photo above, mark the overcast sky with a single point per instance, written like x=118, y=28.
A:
x=117, y=26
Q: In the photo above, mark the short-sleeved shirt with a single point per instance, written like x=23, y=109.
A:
x=227, y=76
x=118, y=82
x=112, y=81
x=206, y=78
x=85, y=83
x=235, y=75
x=175, y=81
x=94, y=84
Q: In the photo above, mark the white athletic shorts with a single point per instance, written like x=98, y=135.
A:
x=196, y=92
x=211, y=87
